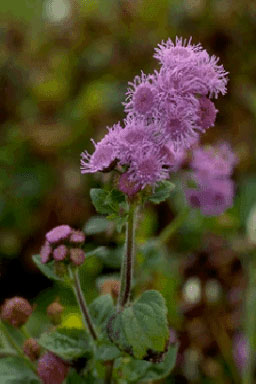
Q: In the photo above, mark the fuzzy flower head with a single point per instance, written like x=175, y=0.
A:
x=51, y=369
x=212, y=197
x=207, y=113
x=212, y=168
x=141, y=96
x=218, y=161
x=179, y=123
x=104, y=155
x=172, y=54
x=147, y=167
x=127, y=186
x=16, y=311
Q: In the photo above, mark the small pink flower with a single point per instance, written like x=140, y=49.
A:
x=77, y=256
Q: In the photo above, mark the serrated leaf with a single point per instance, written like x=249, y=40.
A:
x=96, y=224
x=144, y=371
x=101, y=309
x=162, y=192
x=142, y=327
x=14, y=371
x=112, y=203
x=47, y=269
x=68, y=344
x=99, y=200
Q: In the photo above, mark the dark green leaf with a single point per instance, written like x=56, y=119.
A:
x=141, y=329
x=46, y=269
x=144, y=371
x=14, y=371
x=162, y=192
x=101, y=309
x=75, y=378
x=66, y=343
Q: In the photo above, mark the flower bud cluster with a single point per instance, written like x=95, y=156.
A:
x=63, y=244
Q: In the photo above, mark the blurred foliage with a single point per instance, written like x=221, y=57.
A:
x=64, y=69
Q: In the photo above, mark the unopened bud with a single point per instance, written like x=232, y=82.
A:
x=77, y=237
x=16, y=311
x=51, y=369
x=110, y=286
x=54, y=312
x=31, y=348
x=77, y=256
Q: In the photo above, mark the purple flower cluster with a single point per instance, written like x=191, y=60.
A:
x=212, y=168
x=62, y=244
x=166, y=113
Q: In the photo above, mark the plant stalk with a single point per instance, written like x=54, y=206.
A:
x=82, y=302
x=108, y=372
x=128, y=258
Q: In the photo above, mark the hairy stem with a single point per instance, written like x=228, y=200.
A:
x=128, y=259
x=16, y=347
x=82, y=302
x=171, y=228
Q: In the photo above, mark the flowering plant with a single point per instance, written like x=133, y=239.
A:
x=129, y=341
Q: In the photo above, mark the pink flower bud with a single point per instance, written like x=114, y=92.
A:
x=16, y=311
x=54, y=312
x=31, y=348
x=51, y=369
x=45, y=252
x=60, y=253
x=77, y=237
x=59, y=233
x=77, y=256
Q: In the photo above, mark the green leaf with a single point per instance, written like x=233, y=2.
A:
x=141, y=329
x=68, y=344
x=75, y=378
x=162, y=192
x=101, y=309
x=112, y=203
x=107, y=351
x=46, y=269
x=100, y=201
x=96, y=224
x=14, y=371
x=144, y=371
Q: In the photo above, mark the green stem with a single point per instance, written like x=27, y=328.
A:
x=82, y=302
x=16, y=347
x=250, y=320
x=108, y=372
x=25, y=332
x=128, y=258
x=172, y=227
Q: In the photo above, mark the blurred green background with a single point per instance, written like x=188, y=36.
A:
x=64, y=69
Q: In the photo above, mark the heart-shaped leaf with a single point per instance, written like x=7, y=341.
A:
x=141, y=329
